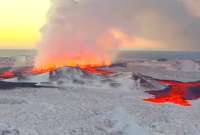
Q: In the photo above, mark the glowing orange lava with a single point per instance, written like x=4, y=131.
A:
x=97, y=71
x=82, y=59
x=89, y=62
x=176, y=92
x=7, y=74
x=35, y=71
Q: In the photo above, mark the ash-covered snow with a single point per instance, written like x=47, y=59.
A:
x=85, y=104
x=30, y=78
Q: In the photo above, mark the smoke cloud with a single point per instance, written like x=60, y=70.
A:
x=193, y=6
x=82, y=32
x=89, y=32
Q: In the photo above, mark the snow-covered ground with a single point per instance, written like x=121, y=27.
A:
x=83, y=104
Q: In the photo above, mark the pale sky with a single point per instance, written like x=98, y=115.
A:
x=20, y=22
x=149, y=24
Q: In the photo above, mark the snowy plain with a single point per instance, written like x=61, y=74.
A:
x=82, y=104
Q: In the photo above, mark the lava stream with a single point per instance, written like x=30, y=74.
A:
x=176, y=92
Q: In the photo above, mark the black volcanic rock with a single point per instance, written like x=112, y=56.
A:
x=12, y=85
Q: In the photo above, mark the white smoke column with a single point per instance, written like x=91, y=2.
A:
x=79, y=32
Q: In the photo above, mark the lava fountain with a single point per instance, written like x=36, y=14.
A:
x=79, y=35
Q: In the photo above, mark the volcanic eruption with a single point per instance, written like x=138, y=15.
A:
x=82, y=33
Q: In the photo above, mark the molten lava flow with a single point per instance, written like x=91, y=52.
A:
x=36, y=71
x=87, y=60
x=7, y=74
x=22, y=72
x=96, y=71
x=176, y=92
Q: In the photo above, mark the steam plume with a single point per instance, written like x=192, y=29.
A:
x=89, y=32
x=81, y=32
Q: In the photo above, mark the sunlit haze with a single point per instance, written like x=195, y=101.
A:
x=146, y=24
x=21, y=21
